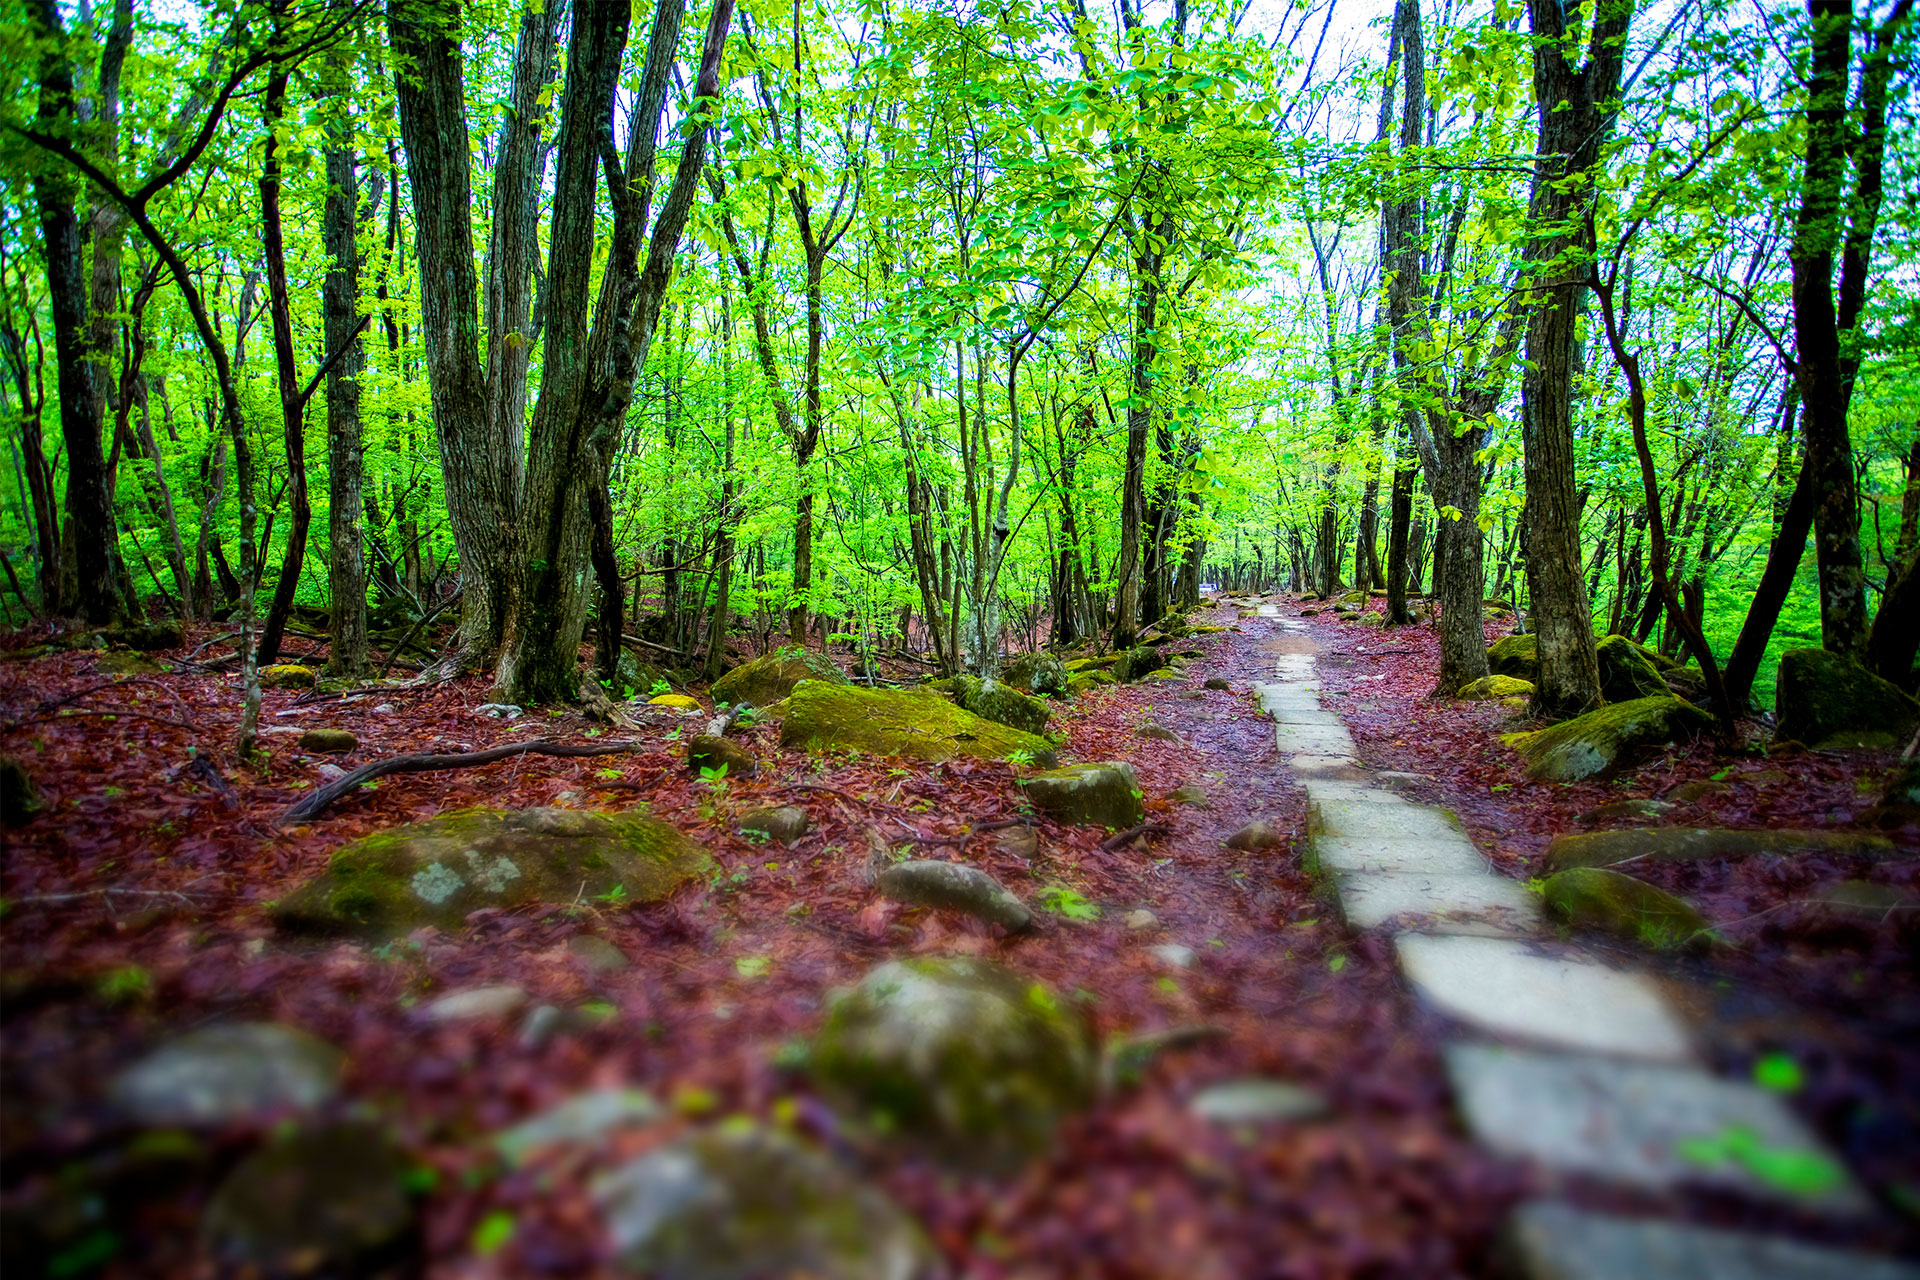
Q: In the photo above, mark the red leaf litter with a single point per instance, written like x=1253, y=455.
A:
x=134, y=912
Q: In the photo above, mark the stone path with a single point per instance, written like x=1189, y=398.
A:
x=1585, y=1070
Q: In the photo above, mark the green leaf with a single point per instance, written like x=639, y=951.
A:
x=493, y=1232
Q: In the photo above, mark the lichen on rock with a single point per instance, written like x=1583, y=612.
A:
x=1040, y=674
x=916, y=724
x=439, y=871
x=1492, y=688
x=1602, y=742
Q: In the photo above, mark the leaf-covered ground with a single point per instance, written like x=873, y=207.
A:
x=134, y=910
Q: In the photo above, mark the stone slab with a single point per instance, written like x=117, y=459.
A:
x=1506, y=987
x=1337, y=789
x=1373, y=855
x=1357, y=819
x=1628, y=1122
x=1268, y=611
x=1342, y=767
x=1274, y=697
x=1314, y=716
x=1554, y=1241
x=1314, y=739
x=1488, y=905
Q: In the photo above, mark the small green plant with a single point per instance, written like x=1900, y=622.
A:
x=125, y=985
x=608, y=774
x=1020, y=756
x=493, y=1233
x=1795, y=1170
x=614, y=897
x=659, y=687
x=1779, y=1073
x=753, y=966
x=1065, y=901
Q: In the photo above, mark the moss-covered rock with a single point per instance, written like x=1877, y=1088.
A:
x=1088, y=795
x=19, y=798
x=743, y=1201
x=439, y=871
x=914, y=723
x=329, y=1200
x=1899, y=803
x=636, y=677
x=961, y=1057
x=1517, y=656
x=767, y=680
x=1040, y=674
x=328, y=741
x=1492, y=688
x=1081, y=681
x=1602, y=742
x=1697, y=844
x=1595, y=898
x=1828, y=701
x=992, y=700
x=1136, y=663
x=126, y=662
x=1627, y=671
x=148, y=637
x=710, y=751
x=675, y=702
x=786, y=823
x=286, y=675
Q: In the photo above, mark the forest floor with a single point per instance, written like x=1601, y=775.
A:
x=133, y=910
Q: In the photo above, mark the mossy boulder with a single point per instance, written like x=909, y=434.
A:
x=1605, y=741
x=1000, y=703
x=328, y=741
x=1595, y=898
x=1517, y=656
x=914, y=723
x=1088, y=795
x=1081, y=681
x=286, y=675
x=634, y=676
x=148, y=637
x=1899, y=804
x=1493, y=688
x=950, y=886
x=745, y=1201
x=1627, y=671
x=439, y=871
x=710, y=751
x=229, y=1074
x=767, y=680
x=1697, y=844
x=786, y=823
x=329, y=1200
x=958, y=1056
x=126, y=662
x=1040, y=674
x=1829, y=701
x=1136, y=664
x=675, y=702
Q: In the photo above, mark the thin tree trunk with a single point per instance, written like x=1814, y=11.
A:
x=340, y=298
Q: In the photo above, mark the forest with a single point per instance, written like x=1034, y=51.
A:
x=677, y=433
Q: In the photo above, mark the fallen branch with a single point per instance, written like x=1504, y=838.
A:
x=1134, y=833
x=393, y=654
x=314, y=804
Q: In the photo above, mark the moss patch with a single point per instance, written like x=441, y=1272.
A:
x=767, y=680
x=438, y=871
x=1603, y=742
x=1627, y=671
x=991, y=700
x=1040, y=674
x=1517, y=656
x=1697, y=844
x=286, y=675
x=1828, y=701
x=1594, y=898
x=1488, y=688
x=917, y=724
x=1090, y=795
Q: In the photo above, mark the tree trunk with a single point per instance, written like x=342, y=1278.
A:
x=1576, y=116
x=340, y=299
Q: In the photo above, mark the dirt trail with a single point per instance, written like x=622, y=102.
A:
x=727, y=977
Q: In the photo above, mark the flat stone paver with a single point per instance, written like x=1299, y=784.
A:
x=1506, y=987
x=1314, y=739
x=1475, y=903
x=1643, y=1125
x=1379, y=854
x=1358, y=818
x=1554, y=1241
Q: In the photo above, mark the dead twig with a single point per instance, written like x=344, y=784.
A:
x=314, y=804
x=1114, y=842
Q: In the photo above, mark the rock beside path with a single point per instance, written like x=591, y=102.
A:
x=328, y=741
x=1516, y=656
x=1257, y=1100
x=1697, y=844
x=1603, y=742
x=229, y=1074
x=1628, y=670
x=951, y=886
x=1493, y=688
x=1596, y=898
x=586, y=1119
x=1829, y=702
x=961, y=1057
x=1040, y=674
x=329, y=1200
x=767, y=680
x=785, y=823
x=741, y=1203
x=439, y=871
x=1000, y=703
x=916, y=724
x=1088, y=795
x=710, y=751
x=1256, y=836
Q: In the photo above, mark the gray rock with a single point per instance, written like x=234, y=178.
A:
x=329, y=772
x=1173, y=955
x=1696, y=844
x=221, y=1075
x=542, y=1023
x=328, y=1199
x=1252, y=1101
x=1626, y=811
x=597, y=954
x=1157, y=732
x=710, y=751
x=1095, y=795
x=1190, y=795
x=1255, y=836
x=1040, y=674
x=953, y=887
x=785, y=823
x=475, y=1003
x=1553, y=1241
x=1142, y=919
x=1217, y=682
x=739, y=1204
x=582, y=1119
x=960, y=1057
